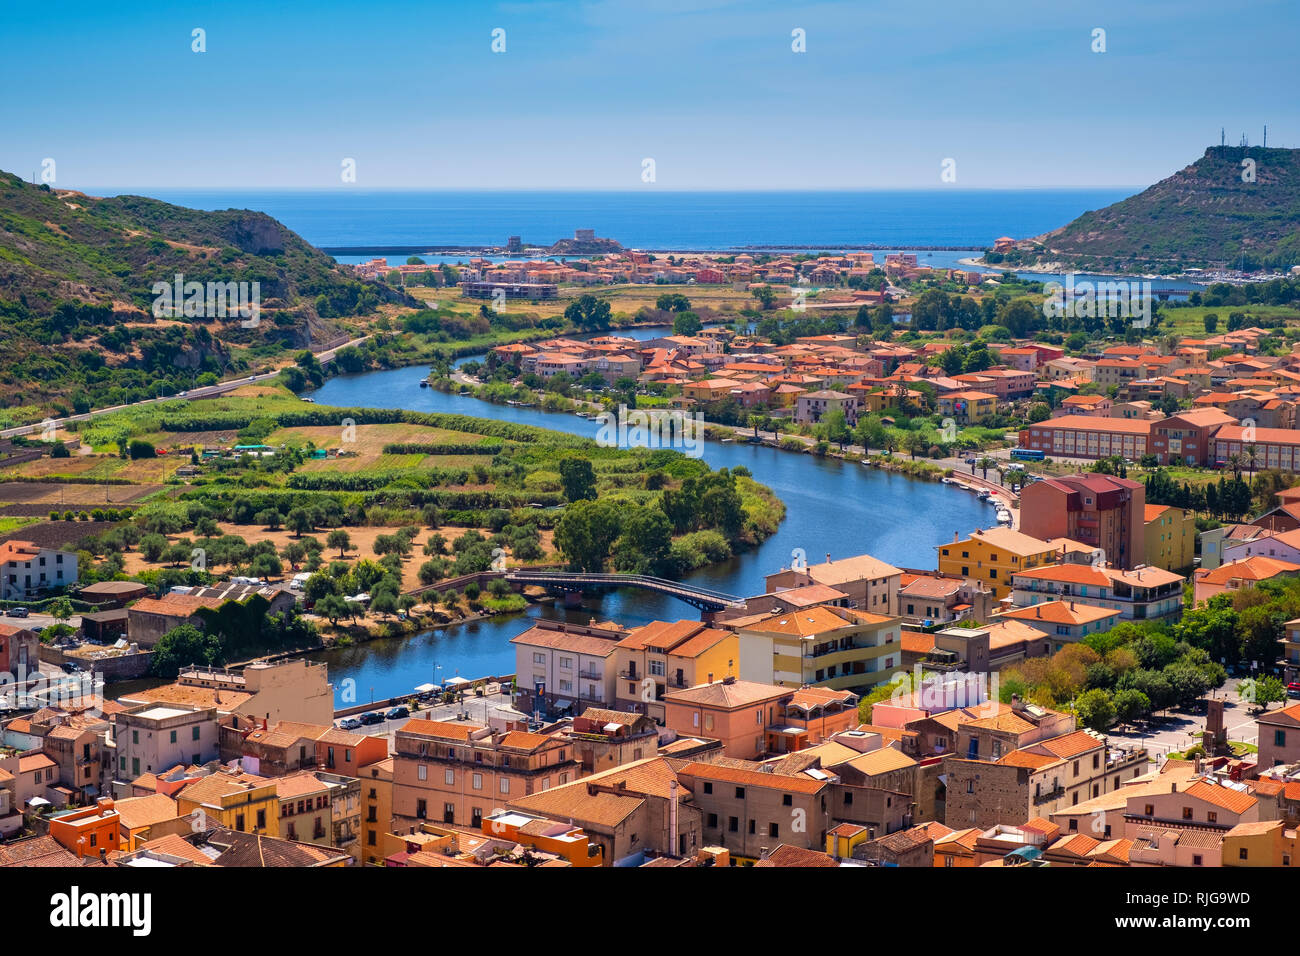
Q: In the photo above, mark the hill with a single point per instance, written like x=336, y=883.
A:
x=77, y=276
x=1203, y=216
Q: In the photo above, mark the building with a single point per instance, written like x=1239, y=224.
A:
x=19, y=650
x=1083, y=436
x=1169, y=538
x=28, y=570
x=994, y=556
x=869, y=583
x=563, y=668
x=1238, y=575
x=460, y=773
x=150, y=738
x=932, y=597
x=838, y=648
x=295, y=689
x=1139, y=595
x=90, y=832
x=661, y=656
x=1263, y=843
x=1279, y=737
x=748, y=811
x=604, y=739
x=233, y=799
x=812, y=407
x=633, y=813
x=746, y=716
x=1100, y=511
x=1277, y=448
x=376, y=807
x=1064, y=622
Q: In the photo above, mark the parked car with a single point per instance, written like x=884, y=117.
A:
x=349, y=723
x=17, y=612
x=398, y=713
x=1293, y=689
x=372, y=717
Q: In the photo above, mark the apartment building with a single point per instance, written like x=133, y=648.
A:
x=838, y=648
x=1064, y=622
x=1083, y=436
x=666, y=655
x=1169, y=535
x=460, y=773
x=1139, y=595
x=28, y=570
x=748, y=812
x=869, y=583
x=744, y=715
x=151, y=738
x=566, y=668
x=1100, y=511
x=993, y=556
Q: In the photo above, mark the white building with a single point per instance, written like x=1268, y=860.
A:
x=27, y=569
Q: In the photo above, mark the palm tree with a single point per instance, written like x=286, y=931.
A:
x=985, y=463
x=1250, y=459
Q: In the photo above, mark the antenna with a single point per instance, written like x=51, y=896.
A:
x=1223, y=141
x=1264, y=145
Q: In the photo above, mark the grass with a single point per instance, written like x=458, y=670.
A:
x=1190, y=320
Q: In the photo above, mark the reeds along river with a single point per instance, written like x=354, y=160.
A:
x=832, y=507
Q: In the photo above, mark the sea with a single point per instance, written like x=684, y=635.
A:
x=966, y=219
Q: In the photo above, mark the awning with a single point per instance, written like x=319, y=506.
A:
x=563, y=704
x=425, y=688
x=457, y=681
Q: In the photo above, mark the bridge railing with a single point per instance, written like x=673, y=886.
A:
x=644, y=580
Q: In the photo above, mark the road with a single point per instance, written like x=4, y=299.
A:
x=1176, y=731
x=480, y=709
x=208, y=391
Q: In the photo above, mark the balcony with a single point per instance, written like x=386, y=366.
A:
x=1048, y=796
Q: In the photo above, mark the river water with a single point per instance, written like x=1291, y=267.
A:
x=840, y=508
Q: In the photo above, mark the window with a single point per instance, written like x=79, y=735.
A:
x=751, y=827
x=505, y=784
x=708, y=787
x=773, y=830
x=421, y=772
x=539, y=658
x=172, y=738
x=449, y=777
x=1279, y=738
x=194, y=732
x=1212, y=817
x=733, y=824
x=1149, y=810
x=477, y=783
x=712, y=823
x=787, y=800
x=1241, y=854
x=1187, y=813
x=740, y=793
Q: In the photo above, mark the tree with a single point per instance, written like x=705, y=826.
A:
x=687, y=323
x=586, y=532
x=644, y=545
x=1262, y=691
x=578, y=478
x=338, y=538
x=332, y=607
x=673, y=302
x=269, y=518
x=765, y=295
x=589, y=312
x=60, y=609
x=1211, y=323
x=182, y=646
x=384, y=602
x=1130, y=705
x=835, y=428
x=300, y=521
x=1095, y=709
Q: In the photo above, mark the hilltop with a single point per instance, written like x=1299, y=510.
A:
x=1203, y=216
x=76, y=289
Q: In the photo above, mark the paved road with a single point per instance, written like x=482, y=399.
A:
x=479, y=709
x=208, y=391
x=1178, y=730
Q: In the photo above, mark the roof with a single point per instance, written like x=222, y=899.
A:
x=136, y=812
x=1255, y=568
x=845, y=570
x=753, y=778
x=579, y=643
x=1226, y=798
x=1014, y=542
x=1061, y=612
x=728, y=694
x=787, y=855
x=438, y=728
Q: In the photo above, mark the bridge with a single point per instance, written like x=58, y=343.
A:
x=702, y=598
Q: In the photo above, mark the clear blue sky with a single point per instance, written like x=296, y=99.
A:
x=707, y=88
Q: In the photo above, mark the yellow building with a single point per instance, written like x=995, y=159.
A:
x=836, y=647
x=1265, y=843
x=844, y=839
x=376, y=809
x=670, y=655
x=993, y=556
x=968, y=406
x=237, y=801
x=957, y=848
x=1170, y=541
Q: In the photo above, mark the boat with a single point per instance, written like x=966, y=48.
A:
x=511, y=401
x=868, y=462
x=424, y=383
x=984, y=494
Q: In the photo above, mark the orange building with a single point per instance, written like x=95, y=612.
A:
x=91, y=831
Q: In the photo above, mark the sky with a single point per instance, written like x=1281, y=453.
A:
x=584, y=93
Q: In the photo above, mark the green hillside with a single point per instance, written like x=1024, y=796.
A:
x=1203, y=216
x=76, y=294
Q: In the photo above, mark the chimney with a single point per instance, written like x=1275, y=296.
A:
x=672, y=816
x=955, y=537
x=762, y=853
x=828, y=557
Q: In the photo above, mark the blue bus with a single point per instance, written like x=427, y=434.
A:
x=1026, y=454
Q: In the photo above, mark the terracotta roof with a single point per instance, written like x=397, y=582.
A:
x=1234, y=801
x=753, y=778
x=438, y=728
x=737, y=693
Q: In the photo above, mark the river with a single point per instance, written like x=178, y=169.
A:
x=835, y=507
